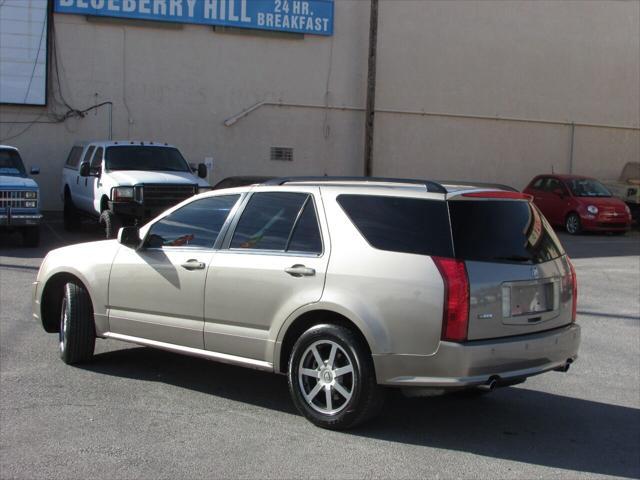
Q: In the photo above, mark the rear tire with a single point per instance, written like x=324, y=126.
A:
x=71, y=219
x=31, y=236
x=332, y=379
x=111, y=224
x=572, y=224
x=77, y=329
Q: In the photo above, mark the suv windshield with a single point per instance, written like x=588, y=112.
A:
x=149, y=158
x=585, y=187
x=503, y=231
x=11, y=163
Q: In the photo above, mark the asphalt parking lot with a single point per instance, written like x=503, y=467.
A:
x=138, y=412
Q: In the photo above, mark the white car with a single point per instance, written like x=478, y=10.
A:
x=125, y=182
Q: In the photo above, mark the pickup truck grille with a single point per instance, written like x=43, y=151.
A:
x=15, y=199
x=167, y=195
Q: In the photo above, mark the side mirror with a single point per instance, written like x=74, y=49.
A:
x=559, y=192
x=202, y=170
x=35, y=170
x=129, y=237
x=85, y=169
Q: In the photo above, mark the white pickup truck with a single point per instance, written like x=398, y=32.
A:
x=125, y=182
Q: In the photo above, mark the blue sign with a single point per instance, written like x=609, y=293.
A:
x=299, y=16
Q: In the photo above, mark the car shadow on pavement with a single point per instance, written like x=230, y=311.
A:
x=52, y=236
x=513, y=424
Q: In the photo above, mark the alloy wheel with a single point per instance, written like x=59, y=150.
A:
x=572, y=224
x=326, y=377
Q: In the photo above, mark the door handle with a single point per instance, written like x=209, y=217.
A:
x=193, y=264
x=300, y=271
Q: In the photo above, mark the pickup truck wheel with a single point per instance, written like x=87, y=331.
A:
x=31, y=236
x=77, y=330
x=332, y=379
x=111, y=224
x=71, y=219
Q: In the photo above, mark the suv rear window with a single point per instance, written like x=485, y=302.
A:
x=502, y=231
x=400, y=224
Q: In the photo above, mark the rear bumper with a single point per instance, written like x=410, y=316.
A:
x=456, y=365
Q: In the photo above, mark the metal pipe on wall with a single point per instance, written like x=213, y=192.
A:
x=371, y=91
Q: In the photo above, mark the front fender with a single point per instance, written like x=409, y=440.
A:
x=90, y=263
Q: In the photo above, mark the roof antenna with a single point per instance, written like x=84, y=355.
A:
x=552, y=169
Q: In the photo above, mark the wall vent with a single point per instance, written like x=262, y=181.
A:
x=283, y=154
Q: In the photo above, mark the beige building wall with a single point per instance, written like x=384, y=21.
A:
x=180, y=84
x=483, y=90
x=543, y=61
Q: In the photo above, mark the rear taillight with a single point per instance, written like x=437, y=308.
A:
x=455, y=318
x=574, y=291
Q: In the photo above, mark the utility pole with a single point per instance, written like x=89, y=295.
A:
x=371, y=90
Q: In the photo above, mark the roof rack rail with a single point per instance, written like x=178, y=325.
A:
x=430, y=185
x=499, y=186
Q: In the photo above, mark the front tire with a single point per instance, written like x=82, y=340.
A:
x=332, y=379
x=572, y=224
x=77, y=329
x=111, y=224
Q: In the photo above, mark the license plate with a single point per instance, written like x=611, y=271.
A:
x=528, y=299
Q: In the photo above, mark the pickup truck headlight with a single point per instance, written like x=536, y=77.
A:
x=592, y=209
x=123, y=194
x=31, y=194
x=30, y=204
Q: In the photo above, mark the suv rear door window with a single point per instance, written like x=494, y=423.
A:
x=197, y=224
x=400, y=224
x=502, y=231
x=306, y=234
x=267, y=221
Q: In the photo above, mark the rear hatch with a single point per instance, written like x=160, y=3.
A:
x=519, y=276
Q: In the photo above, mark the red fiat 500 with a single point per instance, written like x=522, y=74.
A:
x=579, y=203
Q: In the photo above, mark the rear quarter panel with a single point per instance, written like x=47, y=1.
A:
x=396, y=297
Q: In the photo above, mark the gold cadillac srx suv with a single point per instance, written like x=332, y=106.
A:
x=347, y=285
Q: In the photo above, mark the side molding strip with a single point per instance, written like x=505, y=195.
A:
x=194, y=352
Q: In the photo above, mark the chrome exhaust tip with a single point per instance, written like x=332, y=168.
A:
x=564, y=368
x=490, y=385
